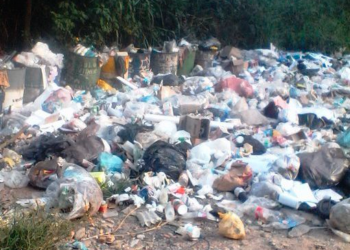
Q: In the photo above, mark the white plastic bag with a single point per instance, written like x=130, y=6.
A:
x=15, y=178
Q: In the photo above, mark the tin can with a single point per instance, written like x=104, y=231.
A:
x=180, y=207
x=103, y=207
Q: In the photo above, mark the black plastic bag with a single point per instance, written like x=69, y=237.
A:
x=313, y=122
x=258, y=147
x=272, y=110
x=168, y=80
x=40, y=148
x=166, y=158
x=88, y=148
x=324, y=168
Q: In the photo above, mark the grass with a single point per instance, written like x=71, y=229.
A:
x=35, y=230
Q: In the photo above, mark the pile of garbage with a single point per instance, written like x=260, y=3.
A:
x=240, y=137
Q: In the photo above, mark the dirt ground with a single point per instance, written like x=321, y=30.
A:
x=165, y=237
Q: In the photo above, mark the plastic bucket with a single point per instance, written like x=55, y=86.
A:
x=117, y=65
x=82, y=72
x=205, y=58
x=187, y=56
x=139, y=63
x=164, y=63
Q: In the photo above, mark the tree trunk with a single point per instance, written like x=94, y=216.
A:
x=27, y=21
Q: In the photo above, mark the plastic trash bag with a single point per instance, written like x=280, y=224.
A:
x=110, y=163
x=240, y=86
x=14, y=178
x=258, y=147
x=44, y=173
x=239, y=175
x=76, y=192
x=288, y=115
x=45, y=145
x=253, y=117
x=165, y=129
x=287, y=166
x=86, y=148
x=266, y=189
x=340, y=216
x=57, y=100
x=231, y=226
x=166, y=158
x=324, y=168
x=344, y=139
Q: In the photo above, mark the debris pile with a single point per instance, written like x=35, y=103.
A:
x=233, y=137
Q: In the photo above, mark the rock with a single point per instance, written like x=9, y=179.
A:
x=299, y=231
x=141, y=236
x=134, y=242
x=316, y=222
x=80, y=233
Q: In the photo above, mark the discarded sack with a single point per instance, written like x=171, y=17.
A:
x=324, y=168
x=240, y=86
x=45, y=146
x=231, y=226
x=239, y=175
x=76, y=192
x=287, y=166
x=87, y=148
x=44, y=173
x=166, y=158
x=340, y=216
x=258, y=147
x=344, y=139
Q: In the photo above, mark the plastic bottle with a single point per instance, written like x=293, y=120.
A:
x=267, y=216
x=241, y=194
x=183, y=179
x=163, y=196
x=192, y=232
x=180, y=207
x=169, y=212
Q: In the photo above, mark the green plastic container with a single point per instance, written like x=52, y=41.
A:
x=82, y=72
x=187, y=56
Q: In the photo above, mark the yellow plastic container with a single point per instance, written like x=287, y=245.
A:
x=100, y=177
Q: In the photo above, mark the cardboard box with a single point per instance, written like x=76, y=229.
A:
x=198, y=127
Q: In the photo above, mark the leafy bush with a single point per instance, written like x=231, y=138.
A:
x=321, y=25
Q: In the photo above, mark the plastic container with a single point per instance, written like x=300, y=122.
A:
x=180, y=207
x=82, y=72
x=163, y=196
x=241, y=194
x=187, y=56
x=169, y=212
x=139, y=63
x=164, y=63
x=205, y=58
x=117, y=65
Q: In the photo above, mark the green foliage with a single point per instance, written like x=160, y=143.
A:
x=321, y=25
x=33, y=231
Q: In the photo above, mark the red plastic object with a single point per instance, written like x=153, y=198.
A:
x=240, y=86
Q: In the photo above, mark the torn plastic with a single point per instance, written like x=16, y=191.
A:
x=324, y=168
x=75, y=193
